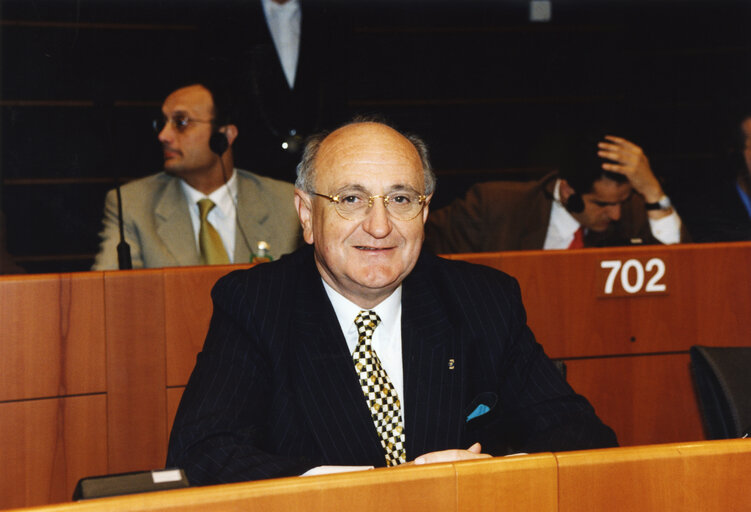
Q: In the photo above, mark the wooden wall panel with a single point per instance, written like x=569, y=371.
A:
x=52, y=336
x=187, y=313
x=47, y=445
x=136, y=398
x=705, y=476
x=508, y=484
x=645, y=399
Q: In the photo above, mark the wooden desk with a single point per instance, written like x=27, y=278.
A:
x=707, y=476
x=92, y=365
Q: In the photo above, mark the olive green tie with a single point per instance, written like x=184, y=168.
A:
x=209, y=241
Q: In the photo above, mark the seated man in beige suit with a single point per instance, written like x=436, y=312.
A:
x=200, y=209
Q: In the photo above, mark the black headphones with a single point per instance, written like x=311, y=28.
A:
x=218, y=142
x=575, y=203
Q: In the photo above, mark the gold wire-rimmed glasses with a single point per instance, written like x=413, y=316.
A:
x=355, y=205
x=179, y=121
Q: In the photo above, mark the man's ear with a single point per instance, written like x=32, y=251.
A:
x=230, y=130
x=426, y=208
x=305, y=214
x=566, y=191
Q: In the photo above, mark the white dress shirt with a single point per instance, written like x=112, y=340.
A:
x=386, y=342
x=387, y=337
x=563, y=225
x=223, y=216
x=284, y=22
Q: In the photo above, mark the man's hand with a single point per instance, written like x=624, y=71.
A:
x=633, y=164
x=473, y=452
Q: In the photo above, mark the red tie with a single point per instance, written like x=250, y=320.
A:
x=578, y=241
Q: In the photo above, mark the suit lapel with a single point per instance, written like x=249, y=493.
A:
x=173, y=224
x=327, y=384
x=432, y=370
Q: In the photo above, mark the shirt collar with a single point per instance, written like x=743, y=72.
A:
x=346, y=310
x=224, y=197
x=270, y=6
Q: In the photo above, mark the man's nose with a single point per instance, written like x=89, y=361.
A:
x=614, y=212
x=167, y=133
x=378, y=221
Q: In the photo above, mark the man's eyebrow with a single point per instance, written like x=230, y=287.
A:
x=399, y=187
x=352, y=188
x=402, y=187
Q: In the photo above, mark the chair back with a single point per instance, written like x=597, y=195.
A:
x=722, y=378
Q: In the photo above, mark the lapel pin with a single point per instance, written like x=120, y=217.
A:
x=451, y=364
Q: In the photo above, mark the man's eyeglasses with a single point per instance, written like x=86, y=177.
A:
x=355, y=205
x=178, y=121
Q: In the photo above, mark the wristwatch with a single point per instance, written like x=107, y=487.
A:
x=663, y=204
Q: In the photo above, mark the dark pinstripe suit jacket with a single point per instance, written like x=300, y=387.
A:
x=274, y=391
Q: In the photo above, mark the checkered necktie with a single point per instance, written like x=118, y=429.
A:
x=209, y=241
x=382, y=398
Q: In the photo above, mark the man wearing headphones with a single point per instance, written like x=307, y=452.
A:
x=200, y=209
x=604, y=195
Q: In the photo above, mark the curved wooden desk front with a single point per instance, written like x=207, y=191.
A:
x=706, y=476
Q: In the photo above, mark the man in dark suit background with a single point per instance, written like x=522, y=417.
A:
x=286, y=64
x=451, y=370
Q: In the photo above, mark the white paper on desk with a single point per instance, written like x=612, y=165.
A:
x=329, y=470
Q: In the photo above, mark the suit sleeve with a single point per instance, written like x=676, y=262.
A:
x=220, y=427
x=106, y=258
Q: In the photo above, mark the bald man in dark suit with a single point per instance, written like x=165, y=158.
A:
x=281, y=387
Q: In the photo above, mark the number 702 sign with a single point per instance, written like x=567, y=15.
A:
x=632, y=277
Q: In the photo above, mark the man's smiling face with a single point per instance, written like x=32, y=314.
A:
x=364, y=260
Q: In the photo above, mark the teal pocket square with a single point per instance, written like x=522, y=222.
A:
x=479, y=411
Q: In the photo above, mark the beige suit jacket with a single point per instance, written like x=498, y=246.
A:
x=160, y=234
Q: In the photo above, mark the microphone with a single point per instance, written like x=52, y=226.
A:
x=123, y=249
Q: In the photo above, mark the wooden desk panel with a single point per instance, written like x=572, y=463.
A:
x=701, y=476
x=561, y=288
x=706, y=476
x=152, y=324
x=47, y=445
x=427, y=488
x=642, y=398
x=52, y=339
x=173, y=402
x=136, y=382
x=187, y=310
x=518, y=483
